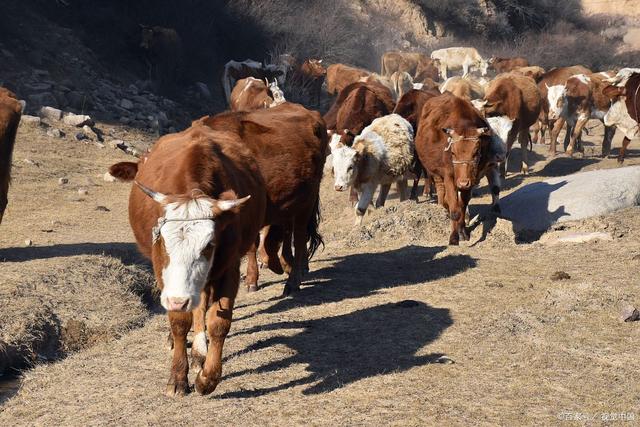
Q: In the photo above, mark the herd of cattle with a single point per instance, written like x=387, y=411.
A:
x=247, y=181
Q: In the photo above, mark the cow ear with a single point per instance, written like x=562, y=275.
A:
x=614, y=91
x=124, y=171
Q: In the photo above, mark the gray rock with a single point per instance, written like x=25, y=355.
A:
x=582, y=195
x=83, y=191
x=31, y=121
x=55, y=133
x=629, y=313
x=126, y=104
x=63, y=181
x=50, y=113
x=90, y=133
x=81, y=136
x=77, y=120
x=28, y=242
x=116, y=143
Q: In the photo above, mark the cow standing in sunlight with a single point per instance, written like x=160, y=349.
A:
x=10, y=112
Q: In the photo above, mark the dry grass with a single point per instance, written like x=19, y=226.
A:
x=359, y=344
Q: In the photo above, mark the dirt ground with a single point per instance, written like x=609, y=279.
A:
x=391, y=327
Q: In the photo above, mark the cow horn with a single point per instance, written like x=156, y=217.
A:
x=227, y=205
x=158, y=197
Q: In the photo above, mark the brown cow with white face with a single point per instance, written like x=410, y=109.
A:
x=201, y=198
x=10, y=112
x=453, y=144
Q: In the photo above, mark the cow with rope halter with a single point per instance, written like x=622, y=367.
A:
x=624, y=94
x=453, y=143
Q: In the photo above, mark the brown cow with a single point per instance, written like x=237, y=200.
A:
x=10, y=112
x=463, y=87
x=533, y=71
x=198, y=228
x=234, y=71
x=309, y=77
x=392, y=62
x=356, y=107
x=504, y=65
x=410, y=107
x=550, y=85
x=517, y=97
x=585, y=100
x=624, y=112
x=164, y=54
x=453, y=144
x=252, y=94
x=339, y=76
x=427, y=70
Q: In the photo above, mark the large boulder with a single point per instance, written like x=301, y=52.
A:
x=582, y=195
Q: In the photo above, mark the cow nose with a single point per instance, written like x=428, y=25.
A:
x=178, y=304
x=464, y=184
x=339, y=188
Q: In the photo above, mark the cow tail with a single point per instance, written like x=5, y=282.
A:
x=314, y=238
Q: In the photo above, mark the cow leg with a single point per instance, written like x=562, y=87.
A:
x=504, y=166
x=609, y=132
x=429, y=186
x=456, y=215
x=218, y=324
x=272, y=242
x=199, y=345
x=417, y=170
x=262, y=253
x=180, y=323
x=440, y=191
x=353, y=196
x=464, y=198
x=536, y=132
x=286, y=259
x=382, y=195
x=251, y=279
x=576, y=133
x=300, y=255
x=623, y=150
x=401, y=186
x=495, y=184
x=365, y=200
x=523, y=140
x=555, y=131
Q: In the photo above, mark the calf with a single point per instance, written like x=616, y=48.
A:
x=234, y=71
x=463, y=87
x=456, y=58
x=401, y=62
x=453, y=144
x=518, y=98
x=380, y=155
x=10, y=112
x=505, y=65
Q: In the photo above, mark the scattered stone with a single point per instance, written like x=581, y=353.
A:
x=63, y=181
x=77, y=120
x=90, y=133
x=50, y=113
x=629, y=313
x=28, y=242
x=574, y=237
x=126, y=104
x=81, y=136
x=47, y=230
x=103, y=209
x=98, y=144
x=107, y=177
x=117, y=143
x=445, y=360
x=31, y=162
x=134, y=152
x=55, y=133
x=560, y=275
x=31, y=121
x=83, y=191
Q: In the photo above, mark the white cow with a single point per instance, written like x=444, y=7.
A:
x=380, y=155
x=456, y=58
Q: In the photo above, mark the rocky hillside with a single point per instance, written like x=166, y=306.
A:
x=612, y=7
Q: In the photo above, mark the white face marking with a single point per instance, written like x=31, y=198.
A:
x=555, y=95
x=334, y=141
x=344, y=166
x=418, y=86
x=619, y=117
x=186, y=273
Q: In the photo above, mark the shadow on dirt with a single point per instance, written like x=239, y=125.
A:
x=125, y=252
x=360, y=275
x=343, y=349
x=561, y=166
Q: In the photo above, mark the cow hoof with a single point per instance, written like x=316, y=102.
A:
x=204, y=385
x=620, y=162
x=569, y=152
x=454, y=241
x=252, y=287
x=289, y=290
x=179, y=388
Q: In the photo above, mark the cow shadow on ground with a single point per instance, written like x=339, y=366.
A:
x=561, y=166
x=125, y=252
x=343, y=349
x=363, y=274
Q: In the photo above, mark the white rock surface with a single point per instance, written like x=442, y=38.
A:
x=582, y=195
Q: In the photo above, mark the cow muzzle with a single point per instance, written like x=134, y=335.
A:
x=463, y=184
x=178, y=304
x=339, y=187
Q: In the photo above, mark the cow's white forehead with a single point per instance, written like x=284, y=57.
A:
x=556, y=92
